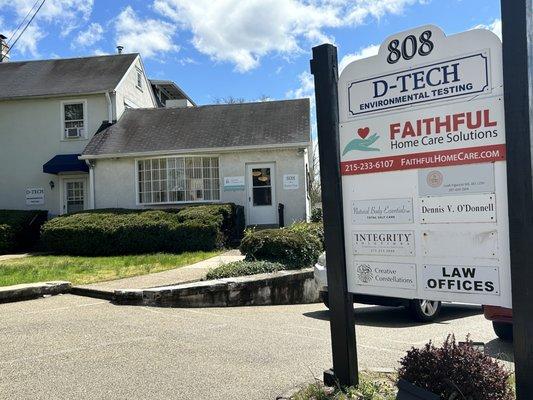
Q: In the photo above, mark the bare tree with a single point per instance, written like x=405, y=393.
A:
x=315, y=190
x=239, y=100
x=229, y=100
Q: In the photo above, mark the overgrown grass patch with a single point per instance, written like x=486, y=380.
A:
x=85, y=270
x=371, y=387
x=242, y=268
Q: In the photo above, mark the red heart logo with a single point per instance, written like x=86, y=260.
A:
x=363, y=132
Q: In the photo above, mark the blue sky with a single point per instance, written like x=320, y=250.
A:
x=240, y=48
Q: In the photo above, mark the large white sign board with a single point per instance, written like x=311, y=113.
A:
x=422, y=143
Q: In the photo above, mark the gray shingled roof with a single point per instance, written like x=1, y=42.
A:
x=214, y=126
x=69, y=76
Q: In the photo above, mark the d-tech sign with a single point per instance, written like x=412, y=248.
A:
x=462, y=76
x=422, y=132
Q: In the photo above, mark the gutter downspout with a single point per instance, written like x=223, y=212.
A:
x=109, y=107
x=90, y=164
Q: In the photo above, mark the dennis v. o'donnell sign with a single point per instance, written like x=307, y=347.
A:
x=422, y=144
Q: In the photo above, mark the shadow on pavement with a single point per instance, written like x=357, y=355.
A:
x=398, y=317
x=499, y=349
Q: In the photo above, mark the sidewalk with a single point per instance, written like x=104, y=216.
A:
x=189, y=273
x=13, y=256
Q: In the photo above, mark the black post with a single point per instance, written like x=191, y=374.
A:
x=325, y=70
x=517, y=24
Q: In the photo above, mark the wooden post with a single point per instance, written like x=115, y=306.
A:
x=517, y=26
x=324, y=67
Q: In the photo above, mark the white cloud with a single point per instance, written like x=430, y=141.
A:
x=495, y=26
x=365, y=52
x=188, y=60
x=244, y=32
x=67, y=14
x=92, y=35
x=150, y=37
x=100, y=52
x=306, y=79
x=306, y=88
x=52, y=9
x=28, y=43
x=363, y=9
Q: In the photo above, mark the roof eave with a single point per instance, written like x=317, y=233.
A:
x=53, y=96
x=195, y=151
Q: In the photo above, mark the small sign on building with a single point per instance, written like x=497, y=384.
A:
x=290, y=181
x=233, y=183
x=34, y=196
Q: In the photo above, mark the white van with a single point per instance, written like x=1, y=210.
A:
x=420, y=310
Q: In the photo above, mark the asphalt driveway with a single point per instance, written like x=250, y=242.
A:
x=68, y=347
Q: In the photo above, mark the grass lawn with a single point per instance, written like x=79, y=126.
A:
x=84, y=270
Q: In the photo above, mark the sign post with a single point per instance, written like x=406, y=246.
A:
x=324, y=68
x=517, y=26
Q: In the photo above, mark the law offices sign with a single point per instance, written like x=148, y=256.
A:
x=423, y=121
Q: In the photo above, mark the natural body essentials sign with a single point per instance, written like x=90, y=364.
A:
x=422, y=144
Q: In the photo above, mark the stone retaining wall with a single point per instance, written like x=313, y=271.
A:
x=284, y=287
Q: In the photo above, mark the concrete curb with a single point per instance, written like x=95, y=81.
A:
x=284, y=287
x=29, y=291
x=94, y=293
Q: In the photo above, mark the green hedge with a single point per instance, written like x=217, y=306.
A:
x=117, y=233
x=19, y=229
x=314, y=229
x=127, y=231
x=296, y=247
x=7, y=239
x=316, y=214
x=229, y=217
x=242, y=268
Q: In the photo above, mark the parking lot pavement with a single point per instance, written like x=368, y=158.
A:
x=68, y=347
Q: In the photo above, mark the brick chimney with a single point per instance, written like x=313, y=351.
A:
x=4, y=48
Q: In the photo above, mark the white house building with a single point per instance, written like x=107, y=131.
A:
x=94, y=132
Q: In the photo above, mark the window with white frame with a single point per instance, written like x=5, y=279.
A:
x=178, y=179
x=73, y=120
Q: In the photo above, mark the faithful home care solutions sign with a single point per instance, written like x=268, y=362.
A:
x=422, y=141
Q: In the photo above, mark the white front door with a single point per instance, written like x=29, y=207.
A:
x=74, y=195
x=261, y=185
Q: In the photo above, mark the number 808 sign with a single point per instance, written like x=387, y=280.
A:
x=414, y=72
x=410, y=46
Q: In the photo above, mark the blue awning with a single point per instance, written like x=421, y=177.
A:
x=65, y=163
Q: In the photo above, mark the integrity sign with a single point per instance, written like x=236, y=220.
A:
x=422, y=144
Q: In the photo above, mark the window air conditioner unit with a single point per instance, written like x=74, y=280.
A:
x=73, y=132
